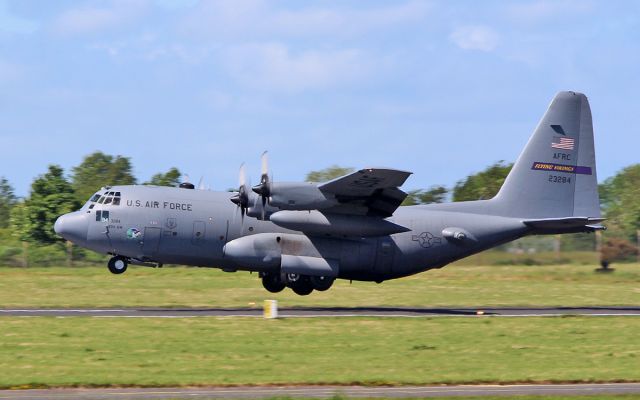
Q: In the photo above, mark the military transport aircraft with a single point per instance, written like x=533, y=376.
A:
x=305, y=235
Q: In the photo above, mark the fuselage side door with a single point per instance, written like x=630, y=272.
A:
x=151, y=242
x=199, y=230
x=384, y=256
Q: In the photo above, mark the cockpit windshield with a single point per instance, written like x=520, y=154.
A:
x=103, y=198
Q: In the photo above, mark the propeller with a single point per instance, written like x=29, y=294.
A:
x=264, y=188
x=242, y=198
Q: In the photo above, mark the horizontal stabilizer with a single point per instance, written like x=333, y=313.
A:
x=568, y=223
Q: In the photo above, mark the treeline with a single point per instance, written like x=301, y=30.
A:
x=26, y=224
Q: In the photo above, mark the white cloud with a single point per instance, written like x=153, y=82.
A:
x=475, y=37
x=89, y=19
x=273, y=66
x=251, y=18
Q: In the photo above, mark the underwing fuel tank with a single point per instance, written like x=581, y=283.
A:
x=315, y=222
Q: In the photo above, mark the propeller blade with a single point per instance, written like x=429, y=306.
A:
x=242, y=198
x=242, y=178
x=264, y=188
x=201, y=183
x=265, y=164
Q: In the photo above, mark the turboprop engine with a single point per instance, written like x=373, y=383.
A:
x=298, y=196
x=317, y=223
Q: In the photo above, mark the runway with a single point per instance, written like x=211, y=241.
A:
x=322, y=391
x=311, y=312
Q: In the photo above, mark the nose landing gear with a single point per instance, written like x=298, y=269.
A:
x=117, y=265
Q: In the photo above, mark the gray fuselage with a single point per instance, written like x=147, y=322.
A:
x=191, y=227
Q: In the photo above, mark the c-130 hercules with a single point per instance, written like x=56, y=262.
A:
x=304, y=236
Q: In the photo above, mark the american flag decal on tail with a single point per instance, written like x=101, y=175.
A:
x=563, y=143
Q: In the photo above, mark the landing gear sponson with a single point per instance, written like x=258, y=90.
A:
x=301, y=284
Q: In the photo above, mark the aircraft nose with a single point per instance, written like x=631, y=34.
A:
x=72, y=226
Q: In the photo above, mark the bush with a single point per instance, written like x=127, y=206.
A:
x=617, y=249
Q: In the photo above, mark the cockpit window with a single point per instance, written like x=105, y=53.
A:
x=105, y=199
x=102, y=216
x=112, y=198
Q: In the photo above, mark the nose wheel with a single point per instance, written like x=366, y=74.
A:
x=117, y=265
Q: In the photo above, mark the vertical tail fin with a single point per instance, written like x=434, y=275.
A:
x=555, y=176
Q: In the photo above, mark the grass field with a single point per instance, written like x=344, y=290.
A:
x=47, y=351
x=587, y=397
x=43, y=351
x=563, y=285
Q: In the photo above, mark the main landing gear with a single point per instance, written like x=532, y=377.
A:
x=302, y=285
x=117, y=265
x=273, y=283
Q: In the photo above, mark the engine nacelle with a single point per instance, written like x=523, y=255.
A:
x=299, y=196
x=315, y=222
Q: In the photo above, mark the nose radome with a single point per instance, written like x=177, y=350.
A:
x=72, y=226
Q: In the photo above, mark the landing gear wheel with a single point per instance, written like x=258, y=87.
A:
x=301, y=286
x=117, y=265
x=273, y=283
x=321, y=283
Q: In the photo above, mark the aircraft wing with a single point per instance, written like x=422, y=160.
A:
x=369, y=191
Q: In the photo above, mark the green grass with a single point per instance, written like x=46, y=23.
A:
x=587, y=397
x=562, y=285
x=496, y=257
x=549, y=397
x=82, y=351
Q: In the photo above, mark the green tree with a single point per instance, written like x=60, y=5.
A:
x=170, y=178
x=19, y=222
x=328, y=174
x=483, y=185
x=21, y=228
x=435, y=194
x=98, y=170
x=620, y=199
x=7, y=201
x=51, y=196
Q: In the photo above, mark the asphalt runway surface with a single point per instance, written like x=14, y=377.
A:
x=310, y=312
x=322, y=391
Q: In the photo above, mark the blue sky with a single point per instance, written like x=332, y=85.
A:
x=440, y=88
